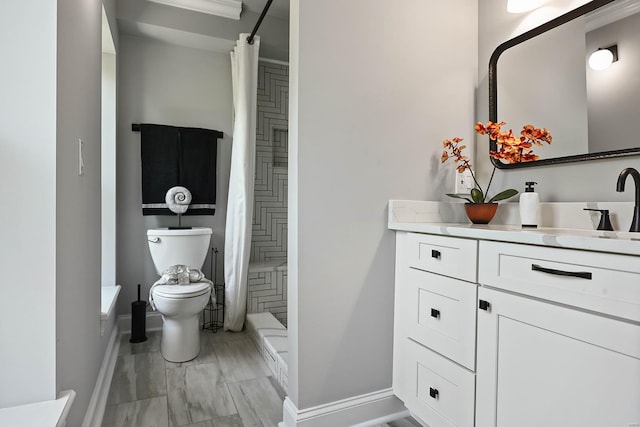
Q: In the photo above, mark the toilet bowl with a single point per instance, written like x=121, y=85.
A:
x=179, y=305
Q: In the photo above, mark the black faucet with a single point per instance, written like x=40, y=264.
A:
x=635, y=223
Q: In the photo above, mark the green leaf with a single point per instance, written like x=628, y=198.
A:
x=477, y=195
x=457, y=196
x=504, y=195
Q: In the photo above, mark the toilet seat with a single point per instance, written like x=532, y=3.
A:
x=181, y=291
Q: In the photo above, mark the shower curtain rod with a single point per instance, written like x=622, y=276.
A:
x=262, y=15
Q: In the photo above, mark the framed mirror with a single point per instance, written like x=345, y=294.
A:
x=542, y=78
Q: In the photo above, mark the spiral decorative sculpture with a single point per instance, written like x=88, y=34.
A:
x=178, y=199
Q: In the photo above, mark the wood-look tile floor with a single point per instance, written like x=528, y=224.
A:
x=227, y=385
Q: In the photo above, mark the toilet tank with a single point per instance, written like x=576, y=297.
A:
x=184, y=246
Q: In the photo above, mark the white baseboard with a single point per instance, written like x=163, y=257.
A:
x=153, y=322
x=98, y=402
x=362, y=411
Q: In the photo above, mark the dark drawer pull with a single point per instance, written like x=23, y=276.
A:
x=581, y=274
x=484, y=305
x=435, y=313
x=433, y=392
x=435, y=254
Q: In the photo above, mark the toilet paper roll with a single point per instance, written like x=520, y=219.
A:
x=178, y=199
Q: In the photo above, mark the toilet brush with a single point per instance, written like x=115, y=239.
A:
x=138, y=320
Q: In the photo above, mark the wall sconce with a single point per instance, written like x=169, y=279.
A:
x=520, y=6
x=602, y=58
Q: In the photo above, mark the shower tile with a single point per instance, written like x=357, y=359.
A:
x=240, y=361
x=141, y=413
x=197, y=393
x=138, y=376
x=258, y=402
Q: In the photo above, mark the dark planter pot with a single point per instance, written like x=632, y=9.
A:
x=480, y=213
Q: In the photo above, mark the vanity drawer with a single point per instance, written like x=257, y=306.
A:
x=600, y=282
x=449, y=256
x=442, y=314
x=438, y=391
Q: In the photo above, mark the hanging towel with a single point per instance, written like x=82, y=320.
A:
x=178, y=156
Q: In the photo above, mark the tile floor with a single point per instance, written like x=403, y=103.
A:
x=227, y=385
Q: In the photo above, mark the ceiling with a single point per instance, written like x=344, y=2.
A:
x=171, y=23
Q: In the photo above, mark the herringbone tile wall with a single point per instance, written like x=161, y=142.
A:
x=267, y=290
x=269, y=233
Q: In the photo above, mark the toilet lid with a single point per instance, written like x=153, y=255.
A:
x=181, y=291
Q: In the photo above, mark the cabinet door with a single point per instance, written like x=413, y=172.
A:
x=541, y=364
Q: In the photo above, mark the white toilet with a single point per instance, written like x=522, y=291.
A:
x=180, y=305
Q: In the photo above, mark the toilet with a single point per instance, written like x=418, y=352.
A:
x=179, y=305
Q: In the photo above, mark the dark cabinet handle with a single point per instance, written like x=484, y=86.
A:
x=433, y=392
x=580, y=274
x=484, y=305
x=435, y=254
x=435, y=313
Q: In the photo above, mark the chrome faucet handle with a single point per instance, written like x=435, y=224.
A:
x=605, y=221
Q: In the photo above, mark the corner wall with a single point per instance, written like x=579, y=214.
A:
x=79, y=351
x=375, y=88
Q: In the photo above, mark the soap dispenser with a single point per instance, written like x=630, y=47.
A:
x=529, y=206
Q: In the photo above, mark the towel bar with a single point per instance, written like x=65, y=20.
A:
x=135, y=127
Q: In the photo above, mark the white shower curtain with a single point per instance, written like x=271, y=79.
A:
x=237, y=244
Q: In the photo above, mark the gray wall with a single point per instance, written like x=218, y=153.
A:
x=165, y=84
x=80, y=348
x=28, y=220
x=375, y=88
x=50, y=316
x=590, y=181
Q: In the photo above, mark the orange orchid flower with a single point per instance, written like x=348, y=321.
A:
x=508, y=148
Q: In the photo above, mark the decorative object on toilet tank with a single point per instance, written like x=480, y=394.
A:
x=178, y=199
x=508, y=147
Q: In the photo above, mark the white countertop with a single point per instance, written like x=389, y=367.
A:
x=426, y=217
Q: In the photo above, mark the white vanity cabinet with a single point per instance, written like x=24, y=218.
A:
x=565, y=350
x=499, y=334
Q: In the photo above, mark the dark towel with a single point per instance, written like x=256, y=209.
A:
x=178, y=156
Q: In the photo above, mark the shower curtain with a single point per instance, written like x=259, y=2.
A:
x=237, y=245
